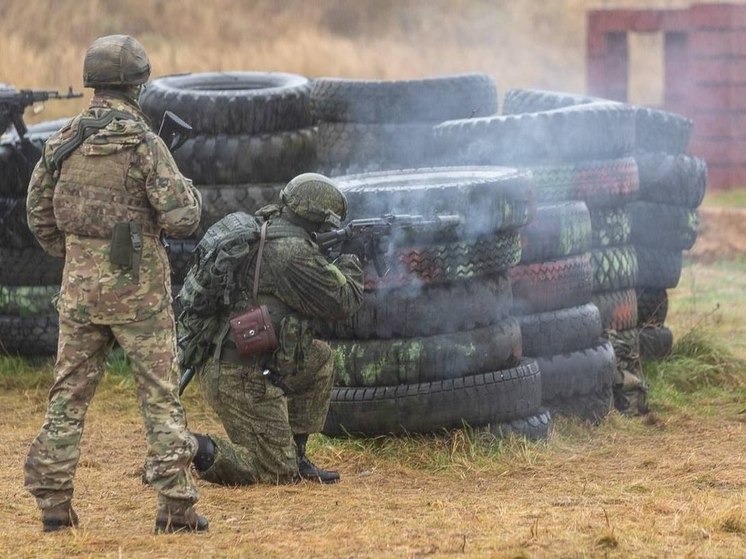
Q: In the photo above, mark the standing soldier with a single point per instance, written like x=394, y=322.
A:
x=105, y=189
x=270, y=402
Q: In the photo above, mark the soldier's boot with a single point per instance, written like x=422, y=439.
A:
x=205, y=455
x=178, y=517
x=307, y=469
x=59, y=517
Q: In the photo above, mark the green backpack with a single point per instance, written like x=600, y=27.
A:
x=216, y=275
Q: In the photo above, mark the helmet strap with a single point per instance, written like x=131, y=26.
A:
x=295, y=219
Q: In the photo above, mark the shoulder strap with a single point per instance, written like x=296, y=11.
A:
x=86, y=128
x=262, y=239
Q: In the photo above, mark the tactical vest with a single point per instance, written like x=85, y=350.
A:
x=94, y=192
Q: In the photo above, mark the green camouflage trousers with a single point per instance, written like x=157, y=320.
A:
x=260, y=420
x=630, y=386
x=81, y=353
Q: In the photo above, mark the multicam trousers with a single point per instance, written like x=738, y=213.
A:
x=260, y=419
x=82, y=349
x=630, y=386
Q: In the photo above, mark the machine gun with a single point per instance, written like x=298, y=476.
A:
x=365, y=237
x=13, y=103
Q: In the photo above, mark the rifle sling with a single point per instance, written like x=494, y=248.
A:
x=86, y=128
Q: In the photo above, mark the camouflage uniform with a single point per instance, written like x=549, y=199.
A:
x=630, y=386
x=122, y=172
x=297, y=283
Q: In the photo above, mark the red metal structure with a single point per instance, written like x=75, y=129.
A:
x=705, y=75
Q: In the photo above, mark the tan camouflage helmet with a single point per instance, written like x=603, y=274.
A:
x=315, y=198
x=115, y=60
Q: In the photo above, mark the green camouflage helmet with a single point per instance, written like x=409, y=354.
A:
x=315, y=198
x=115, y=60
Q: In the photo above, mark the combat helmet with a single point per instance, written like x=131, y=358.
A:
x=118, y=60
x=316, y=199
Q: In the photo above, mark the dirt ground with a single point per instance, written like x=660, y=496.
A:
x=672, y=485
x=722, y=234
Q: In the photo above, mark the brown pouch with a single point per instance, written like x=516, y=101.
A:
x=253, y=331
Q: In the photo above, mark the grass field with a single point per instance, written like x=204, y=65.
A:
x=672, y=484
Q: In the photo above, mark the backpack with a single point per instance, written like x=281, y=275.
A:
x=217, y=273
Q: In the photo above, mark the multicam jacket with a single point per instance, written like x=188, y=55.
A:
x=122, y=172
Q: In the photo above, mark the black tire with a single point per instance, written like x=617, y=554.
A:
x=220, y=200
x=593, y=131
x=181, y=258
x=652, y=306
x=389, y=146
x=426, y=311
x=480, y=399
x=14, y=231
x=604, y=183
x=614, y=268
x=678, y=180
x=658, y=268
x=27, y=301
x=487, y=199
x=533, y=428
x=426, y=359
x=29, y=335
x=663, y=226
x=445, y=262
x=558, y=230
x=610, y=227
x=518, y=101
x=420, y=100
x=17, y=161
x=655, y=342
x=579, y=384
x=231, y=102
x=548, y=286
x=269, y=157
x=560, y=331
x=618, y=309
x=29, y=267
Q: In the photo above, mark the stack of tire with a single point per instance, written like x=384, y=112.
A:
x=664, y=221
x=580, y=157
x=434, y=345
x=29, y=278
x=251, y=133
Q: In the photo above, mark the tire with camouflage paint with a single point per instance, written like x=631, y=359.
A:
x=658, y=268
x=534, y=428
x=29, y=267
x=410, y=312
x=560, y=331
x=426, y=359
x=558, y=230
x=610, y=227
x=396, y=101
x=27, y=301
x=231, y=102
x=238, y=159
x=579, y=384
x=548, y=286
x=479, y=399
x=663, y=226
x=678, y=180
x=652, y=306
x=655, y=130
x=656, y=342
x=29, y=335
x=600, y=130
x=487, y=199
x=618, y=309
x=445, y=262
x=614, y=268
x=218, y=200
x=600, y=184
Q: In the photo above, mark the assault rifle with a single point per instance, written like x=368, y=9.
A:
x=13, y=103
x=365, y=237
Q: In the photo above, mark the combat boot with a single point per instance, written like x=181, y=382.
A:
x=59, y=517
x=307, y=469
x=172, y=518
